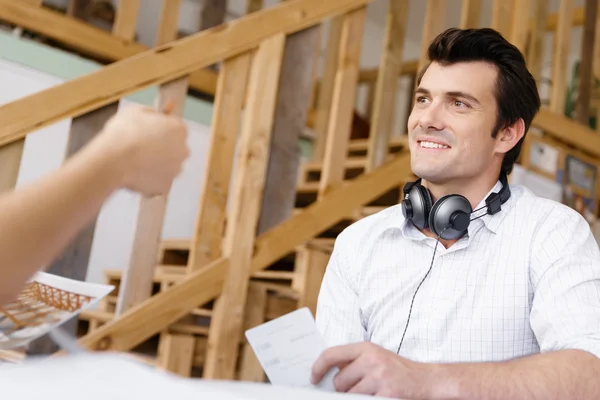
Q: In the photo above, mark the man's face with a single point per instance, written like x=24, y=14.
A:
x=451, y=124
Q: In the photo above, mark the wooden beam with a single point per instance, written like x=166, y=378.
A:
x=435, y=14
x=568, y=131
x=387, y=81
x=325, y=96
x=313, y=265
x=560, y=57
x=160, y=65
x=74, y=259
x=518, y=23
x=177, y=353
x=577, y=19
x=469, y=14
x=136, y=286
x=502, y=11
x=256, y=308
x=227, y=321
x=279, y=196
x=126, y=19
x=582, y=111
x=344, y=95
x=88, y=39
x=535, y=51
x=227, y=114
x=169, y=22
x=167, y=307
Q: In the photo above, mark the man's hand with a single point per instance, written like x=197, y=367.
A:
x=148, y=148
x=366, y=368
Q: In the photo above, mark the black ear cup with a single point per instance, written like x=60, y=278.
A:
x=450, y=216
x=417, y=205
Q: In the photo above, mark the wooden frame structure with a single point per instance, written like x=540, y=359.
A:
x=225, y=274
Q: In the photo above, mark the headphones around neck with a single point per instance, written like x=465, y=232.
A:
x=450, y=216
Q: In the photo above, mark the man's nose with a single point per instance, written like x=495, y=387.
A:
x=432, y=117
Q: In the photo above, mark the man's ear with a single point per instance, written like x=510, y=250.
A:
x=509, y=137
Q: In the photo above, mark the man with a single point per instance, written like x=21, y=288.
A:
x=138, y=149
x=511, y=308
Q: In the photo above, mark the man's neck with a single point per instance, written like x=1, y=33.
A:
x=475, y=190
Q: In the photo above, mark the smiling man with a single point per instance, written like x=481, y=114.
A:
x=471, y=288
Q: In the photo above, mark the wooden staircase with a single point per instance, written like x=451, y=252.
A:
x=289, y=283
x=188, y=301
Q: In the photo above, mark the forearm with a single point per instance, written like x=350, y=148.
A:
x=563, y=374
x=38, y=221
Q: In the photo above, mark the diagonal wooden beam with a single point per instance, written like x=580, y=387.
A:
x=165, y=308
x=87, y=38
x=162, y=64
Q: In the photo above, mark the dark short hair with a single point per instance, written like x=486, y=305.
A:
x=516, y=91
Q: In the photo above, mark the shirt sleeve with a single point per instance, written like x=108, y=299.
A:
x=565, y=275
x=338, y=315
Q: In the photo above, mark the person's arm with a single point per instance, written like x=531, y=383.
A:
x=138, y=149
x=338, y=309
x=565, y=317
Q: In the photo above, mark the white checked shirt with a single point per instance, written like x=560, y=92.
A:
x=524, y=280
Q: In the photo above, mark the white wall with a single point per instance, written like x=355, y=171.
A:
x=44, y=151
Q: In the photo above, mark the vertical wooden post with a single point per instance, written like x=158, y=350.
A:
x=226, y=323
x=227, y=114
x=136, y=285
x=387, y=82
x=520, y=23
x=582, y=111
x=501, y=16
x=535, y=50
x=169, y=19
x=469, y=14
x=560, y=59
x=177, y=353
x=325, y=95
x=126, y=19
x=344, y=95
x=250, y=368
x=314, y=262
x=435, y=14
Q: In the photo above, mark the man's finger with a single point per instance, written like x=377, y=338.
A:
x=366, y=386
x=349, y=375
x=334, y=357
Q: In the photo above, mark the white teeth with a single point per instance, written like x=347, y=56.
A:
x=431, y=145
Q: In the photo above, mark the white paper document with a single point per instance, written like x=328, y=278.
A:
x=287, y=348
x=45, y=302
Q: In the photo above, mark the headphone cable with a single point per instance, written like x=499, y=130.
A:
x=416, y=291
